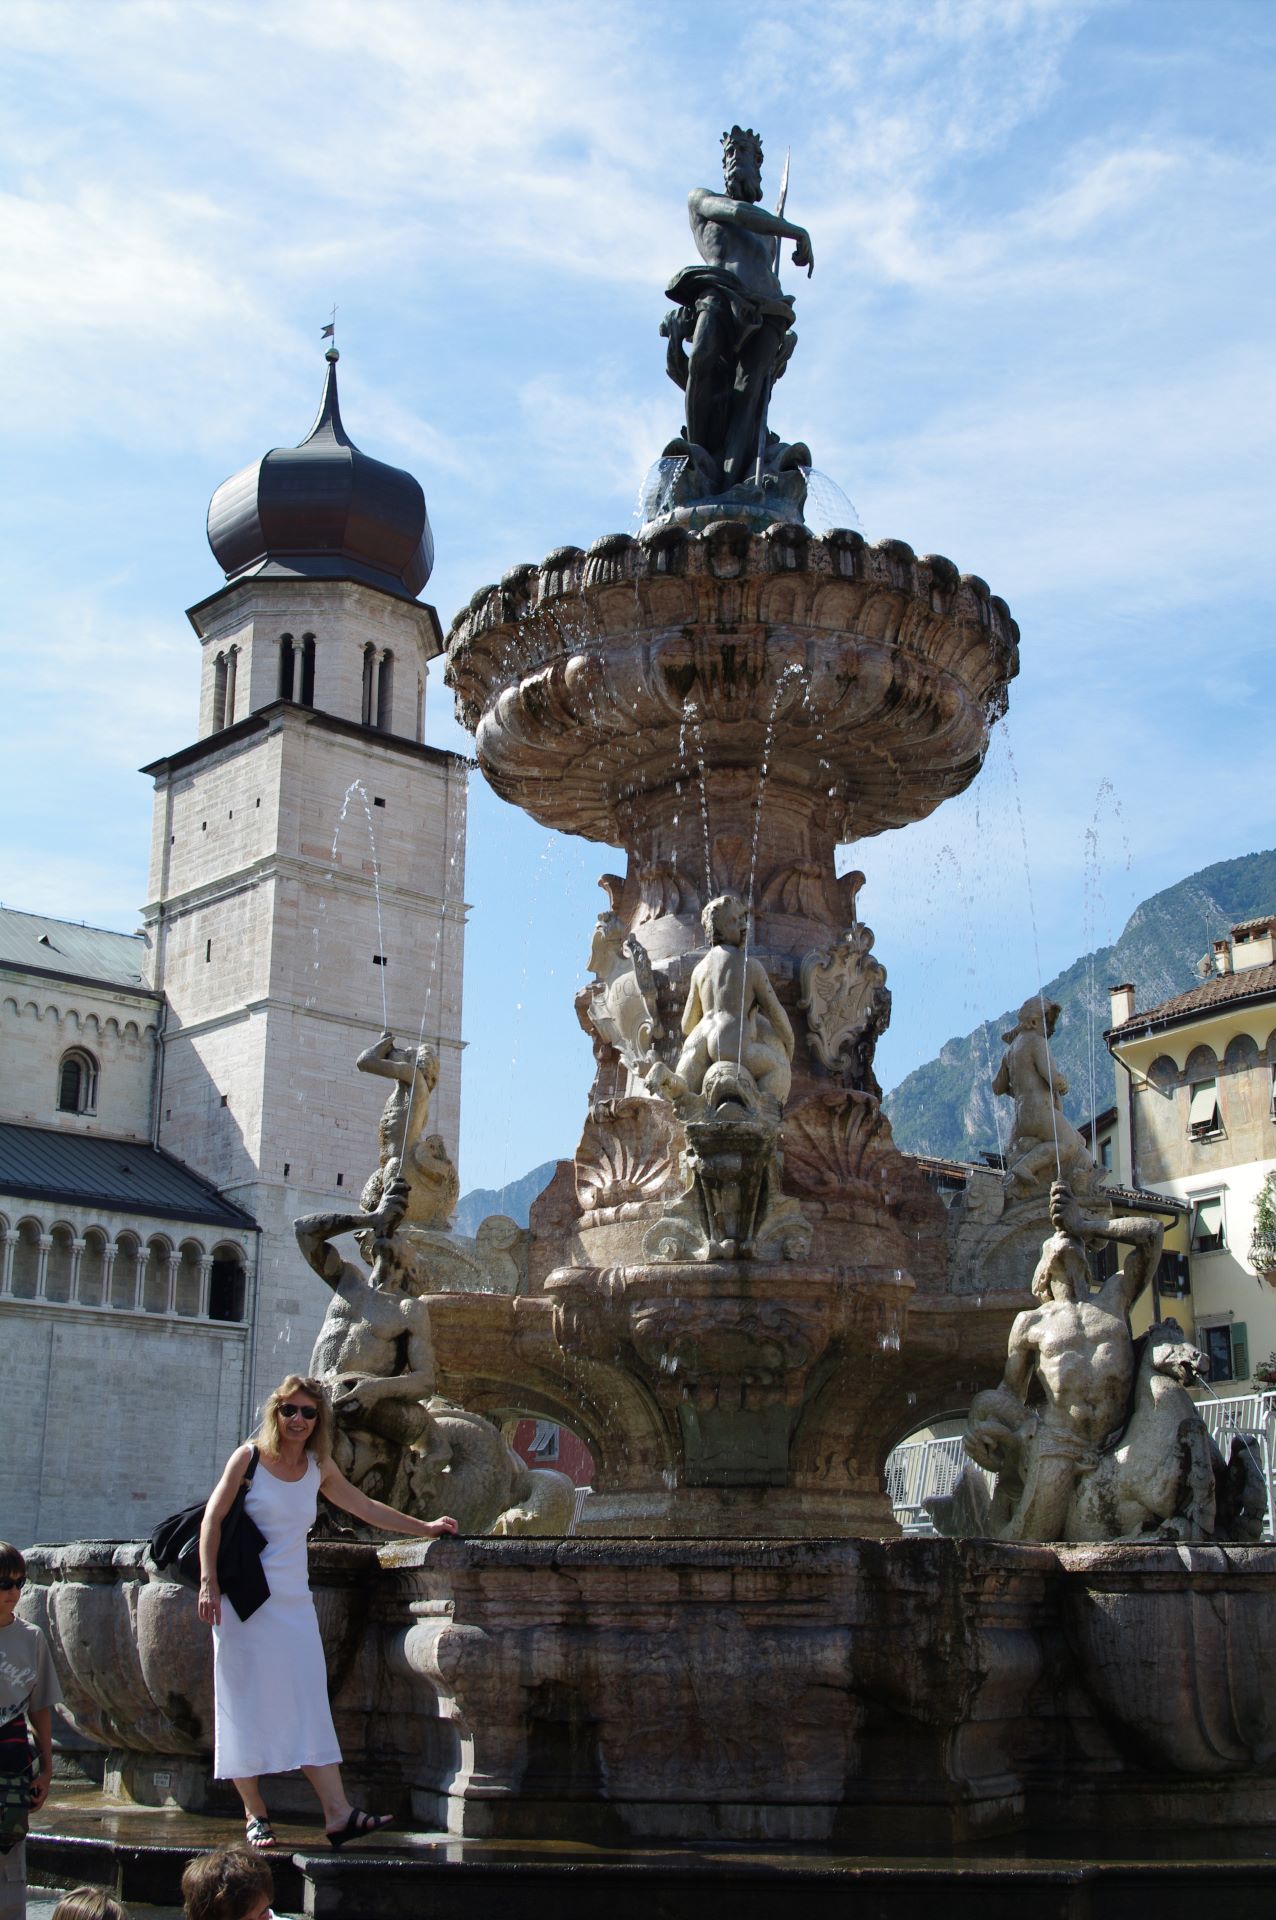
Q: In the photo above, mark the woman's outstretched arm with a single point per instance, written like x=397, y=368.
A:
x=375, y=1513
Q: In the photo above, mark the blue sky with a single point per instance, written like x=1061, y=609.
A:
x=1039, y=339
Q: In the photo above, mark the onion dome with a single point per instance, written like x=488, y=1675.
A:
x=324, y=511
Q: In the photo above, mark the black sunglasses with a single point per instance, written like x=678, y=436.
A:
x=289, y=1412
x=7, y=1586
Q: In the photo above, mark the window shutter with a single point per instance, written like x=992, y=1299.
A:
x=1207, y=1224
x=1240, y=1350
x=1203, y=1113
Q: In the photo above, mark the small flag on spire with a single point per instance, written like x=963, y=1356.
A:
x=328, y=331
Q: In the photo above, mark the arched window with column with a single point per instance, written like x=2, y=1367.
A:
x=187, y=1295
x=307, y=694
x=61, y=1261
x=77, y=1082
x=220, y=676
x=91, y=1290
x=25, y=1281
x=385, y=691
x=228, y=1284
x=369, y=683
x=155, y=1286
x=124, y=1272
x=287, y=666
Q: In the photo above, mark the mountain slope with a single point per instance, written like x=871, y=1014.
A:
x=513, y=1200
x=947, y=1108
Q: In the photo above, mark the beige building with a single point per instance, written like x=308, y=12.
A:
x=1196, y=1119
x=170, y=1100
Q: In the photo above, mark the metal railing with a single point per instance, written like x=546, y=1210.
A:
x=919, y=1470
x=1254, y=1416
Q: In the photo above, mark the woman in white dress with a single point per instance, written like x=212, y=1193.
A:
x=270, y=1682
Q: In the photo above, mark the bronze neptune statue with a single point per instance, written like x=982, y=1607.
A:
x=730, y=338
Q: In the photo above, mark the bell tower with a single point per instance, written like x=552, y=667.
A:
x=307, y=854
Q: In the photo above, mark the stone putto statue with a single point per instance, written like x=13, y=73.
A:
x=1114, y=1447
x=736, y=319
x=1043, y=1141
x=732, y=1020
x=728, y=1088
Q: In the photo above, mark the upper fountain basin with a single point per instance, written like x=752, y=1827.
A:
x=877, y=674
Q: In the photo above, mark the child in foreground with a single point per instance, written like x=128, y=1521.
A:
x=28, y=1693
x=228, y=1884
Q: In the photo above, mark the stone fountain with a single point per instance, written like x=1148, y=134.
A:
x=739, y=1292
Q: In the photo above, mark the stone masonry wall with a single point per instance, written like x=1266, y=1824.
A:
x=40, y=1020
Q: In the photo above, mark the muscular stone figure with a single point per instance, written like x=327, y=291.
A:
x=733, y=1013
x=1080, y=1350
x=374, y=1347
x=736, y=315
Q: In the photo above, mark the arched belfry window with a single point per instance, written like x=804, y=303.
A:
x=287, y=666
x=307, y=670
x=228, y=708
x=77, y=1082
x=221, y=674
x=385, y=691
x=369, y=682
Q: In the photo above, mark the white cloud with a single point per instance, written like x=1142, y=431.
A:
x=1038, y=338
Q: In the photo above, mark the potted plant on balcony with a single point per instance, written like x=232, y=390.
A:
x=1262, y=1246
x=1265, y=1373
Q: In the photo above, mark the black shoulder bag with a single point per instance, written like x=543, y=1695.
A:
x=175, y=1549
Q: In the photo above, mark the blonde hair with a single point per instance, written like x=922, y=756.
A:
x=225, y=1884
x=319, y=1439
x=89, y=1903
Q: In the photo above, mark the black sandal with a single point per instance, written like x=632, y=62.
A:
x=260, y=1835
x=357, y=1827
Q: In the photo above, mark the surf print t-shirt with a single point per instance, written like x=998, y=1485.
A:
x=27, y=1679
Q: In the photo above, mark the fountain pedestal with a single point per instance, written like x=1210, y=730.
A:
x=729, y=1290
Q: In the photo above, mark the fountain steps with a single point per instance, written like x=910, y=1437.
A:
x=139, y=1853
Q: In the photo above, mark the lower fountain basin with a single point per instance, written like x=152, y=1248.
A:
x=912, y=1694
x=1176, y=1643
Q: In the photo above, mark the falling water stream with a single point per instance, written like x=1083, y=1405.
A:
x=789, y=674
x=1036, y=943
x=357, y=786
x=691, y=723
x=947, y=853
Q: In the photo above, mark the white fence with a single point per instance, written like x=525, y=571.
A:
x=919, y=1470
x=1254, y=1416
